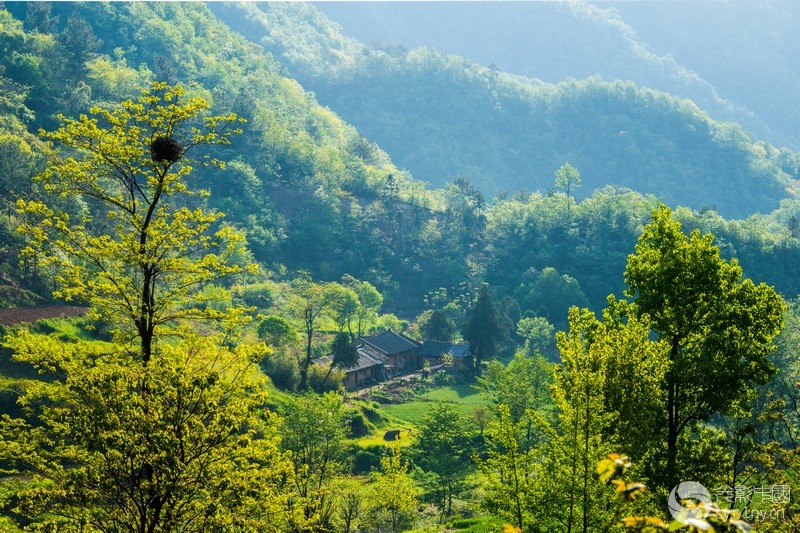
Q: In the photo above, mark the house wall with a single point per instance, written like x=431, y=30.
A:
x=357, y=378
x=408, y=361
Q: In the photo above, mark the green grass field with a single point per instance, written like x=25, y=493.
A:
x=463, y=397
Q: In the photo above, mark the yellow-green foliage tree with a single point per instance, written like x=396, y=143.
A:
x=608, y=394
x=511, y=470
x=570, y=456
x=441, y=451
x=314, y=433
x=160, y=429
x=394, y=493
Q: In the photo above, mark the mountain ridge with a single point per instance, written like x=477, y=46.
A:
x=442, y=116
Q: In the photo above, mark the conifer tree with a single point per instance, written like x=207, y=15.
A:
x=483, y=329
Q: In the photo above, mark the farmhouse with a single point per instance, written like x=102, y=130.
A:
x=390, y=354
x=370, y=368
x=401, y=352
x=434, y=352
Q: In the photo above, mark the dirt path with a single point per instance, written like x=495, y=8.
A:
x=15, y=315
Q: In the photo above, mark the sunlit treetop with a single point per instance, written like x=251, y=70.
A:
x=146, y=245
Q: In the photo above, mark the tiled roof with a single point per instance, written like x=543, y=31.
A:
x=434, y=348
x=367, y=357
x=366, y=360
x=370, y=351
x=439, y=348
x=391, y=343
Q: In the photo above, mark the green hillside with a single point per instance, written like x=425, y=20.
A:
x=304, y=182
x=443, y=116
x=736, y=60
x=312, y=191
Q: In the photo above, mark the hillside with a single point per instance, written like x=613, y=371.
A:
x=736, y=60
x=444, y=116
x=314, y=193
x=306, y=182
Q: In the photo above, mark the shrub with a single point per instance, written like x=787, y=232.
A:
x=283, y=370
x=321, y=382
x=44, y=326
x=258, y=295
x=367, y=458
x=372, y=413
x=441, y=378
x=357, y=423
x=276, y=331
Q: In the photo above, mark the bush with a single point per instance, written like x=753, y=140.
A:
x=258, y=295
x=321, y=382
x=8, y=400
x=367, y=458
x=283, y=370
x=100, y=329
x=44, y=326
x=357, y=423
x=276, y=331
x=441, y=378
x=372, y=413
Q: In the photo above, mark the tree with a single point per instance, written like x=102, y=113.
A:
x=350, y=504
x=511, y=471
x=395, y=494
x=314, y=431
x=343, y=353
x=568, y=179
x=79, y=44
x=571, y=456
x=309, y=301
x=537, y=332
x=369, y=301
x=521, y=385
x=176, y=445
x=719, y=327
x=276, y=331
x=142, y=258
x=634, y=367
x=483, y=327
x=343, y=305
x=465, y=216
x=549, y=295
x=38, y=17
x=607, y=391
x=436, y=326
x=441, y=450
x=17, y=163
x=162, y=428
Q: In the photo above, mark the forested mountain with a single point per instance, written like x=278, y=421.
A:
x=302, y=182
x=736, y=60
x=443, y=116
x=315, y=194
x=236, y=255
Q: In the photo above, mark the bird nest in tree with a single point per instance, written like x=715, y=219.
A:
x=165, y=149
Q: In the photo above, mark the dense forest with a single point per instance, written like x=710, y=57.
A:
x=444, y=116
x=684, y=49
x=574, y=296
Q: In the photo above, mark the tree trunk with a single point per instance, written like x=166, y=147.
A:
x=307, y=362
x=673, y=428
